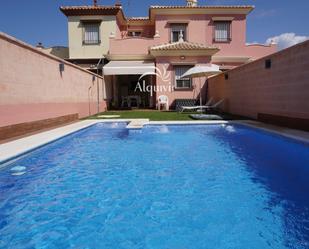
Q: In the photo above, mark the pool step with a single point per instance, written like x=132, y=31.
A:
x=137, y=123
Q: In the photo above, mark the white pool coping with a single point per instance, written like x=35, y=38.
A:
x=16, y=148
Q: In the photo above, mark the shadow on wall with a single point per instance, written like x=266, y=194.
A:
x=43, y=86
x=59, y=51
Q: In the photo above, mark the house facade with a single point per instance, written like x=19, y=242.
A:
x=142, y=58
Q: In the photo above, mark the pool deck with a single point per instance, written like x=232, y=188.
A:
x=14, y=149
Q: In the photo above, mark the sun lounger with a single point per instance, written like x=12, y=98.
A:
x=202, y=107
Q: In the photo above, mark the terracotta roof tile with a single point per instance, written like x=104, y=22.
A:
x=90, y=10
x=89, y=7
x=204, y=7
x=182, y=46
x=113, y=10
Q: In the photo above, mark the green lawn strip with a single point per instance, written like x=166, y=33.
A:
x=151, y=115
x=154, y=115
x=157, y=115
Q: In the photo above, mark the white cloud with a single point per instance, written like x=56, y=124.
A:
x=286, y=40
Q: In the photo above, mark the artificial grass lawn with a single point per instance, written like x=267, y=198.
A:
x=150, y=114
x=155, y=115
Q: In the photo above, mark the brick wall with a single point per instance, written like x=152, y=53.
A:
x=32, y=88
x=281, y=91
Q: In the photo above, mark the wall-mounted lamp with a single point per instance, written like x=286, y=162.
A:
x=182, y=57
x=226, y=76
x=61, y=67
x=268, y=63
x=93, y=78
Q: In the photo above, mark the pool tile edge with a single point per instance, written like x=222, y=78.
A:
x=298, y=135
x=16, y=148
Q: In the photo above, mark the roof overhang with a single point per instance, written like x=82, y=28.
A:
x=129, y=67
x=95, y=11
x=230, y=59
x=183, y=10
x=153, y=10
x=139, y=21
x=89, y=10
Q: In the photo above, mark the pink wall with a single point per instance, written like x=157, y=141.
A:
x=167, y=63
x=147, y=30
x=256, y=51
x=132, y=46
x=32, y=88
x=195, y=22
x=200, y=30
x=282, y=90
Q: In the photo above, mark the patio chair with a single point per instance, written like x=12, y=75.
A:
x=125, y=101
x=163, y=100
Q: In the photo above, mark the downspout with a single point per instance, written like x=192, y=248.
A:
x=98, y=87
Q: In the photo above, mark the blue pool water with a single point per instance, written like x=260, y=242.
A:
x=199, y=186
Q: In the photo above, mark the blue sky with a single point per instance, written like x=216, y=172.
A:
x=36, y=20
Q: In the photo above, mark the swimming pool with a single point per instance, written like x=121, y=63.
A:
x=176, y=186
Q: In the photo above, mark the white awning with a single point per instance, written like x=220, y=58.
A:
x=128, y=68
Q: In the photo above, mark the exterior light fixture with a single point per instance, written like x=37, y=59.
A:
x=268, y=63
x=182, y=57
x=226, y=76
x=61, y=67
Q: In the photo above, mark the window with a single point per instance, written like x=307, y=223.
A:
x=184, y=82
x=222, y=32
x=135, y=33
x=91, y=33
x=176, y=30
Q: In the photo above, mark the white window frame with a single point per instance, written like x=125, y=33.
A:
x=182, y=70
x=94, y=38
x=222, y=31
x=178, y=27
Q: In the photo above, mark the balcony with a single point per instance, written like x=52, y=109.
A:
x=131, y=47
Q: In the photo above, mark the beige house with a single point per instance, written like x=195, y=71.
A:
x=89, y=31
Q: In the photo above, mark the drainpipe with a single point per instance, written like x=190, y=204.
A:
x=98, y=87
x=89, y=101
